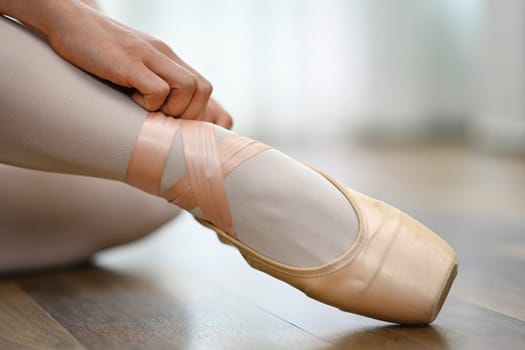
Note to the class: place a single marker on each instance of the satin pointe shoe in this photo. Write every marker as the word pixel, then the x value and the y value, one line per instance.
pixel 397 269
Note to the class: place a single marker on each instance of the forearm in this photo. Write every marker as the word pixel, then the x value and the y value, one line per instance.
pixel 43 16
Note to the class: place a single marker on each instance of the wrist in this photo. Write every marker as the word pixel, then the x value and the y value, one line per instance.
pixel 40 16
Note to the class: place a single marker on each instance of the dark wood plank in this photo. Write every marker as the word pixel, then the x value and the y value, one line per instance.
pixel 25 325
pixel 104 309
pixel 491 276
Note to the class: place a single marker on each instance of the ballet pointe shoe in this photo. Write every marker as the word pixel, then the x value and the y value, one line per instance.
pixel 397 269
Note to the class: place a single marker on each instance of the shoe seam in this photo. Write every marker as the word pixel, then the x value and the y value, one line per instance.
pixel 355 249
pixel 387 250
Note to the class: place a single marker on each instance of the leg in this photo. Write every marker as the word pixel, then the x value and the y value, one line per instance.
pixel 288 220
pixel 36 233
pixel 57 118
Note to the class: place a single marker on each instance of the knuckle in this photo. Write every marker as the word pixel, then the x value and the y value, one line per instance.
pixel 161 45
pixel 163 89
pixel 228 123
pixel 156 42
pixel 190 83
pixel 132 45
pixel 206 87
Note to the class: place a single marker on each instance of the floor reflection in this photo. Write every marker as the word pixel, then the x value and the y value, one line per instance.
pixel 394 337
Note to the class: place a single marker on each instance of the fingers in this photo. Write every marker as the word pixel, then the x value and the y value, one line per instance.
pixel 203 90
pixel 225 121
pixel 164 82
pixel 151 89
pixel 218 115
pixel 189 93
pixel 197 107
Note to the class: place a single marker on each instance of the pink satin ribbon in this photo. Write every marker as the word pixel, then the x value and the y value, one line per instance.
pixel 205 173
pixel 207 164
pixel 149 157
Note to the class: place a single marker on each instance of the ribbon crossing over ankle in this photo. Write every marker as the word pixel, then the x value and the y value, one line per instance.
pixel 207 164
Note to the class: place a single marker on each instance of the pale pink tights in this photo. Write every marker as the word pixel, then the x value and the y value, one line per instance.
pixel 56 118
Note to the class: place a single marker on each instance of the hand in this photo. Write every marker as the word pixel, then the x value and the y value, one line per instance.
pixel 95 43
pixel 214 113
pixel 112 51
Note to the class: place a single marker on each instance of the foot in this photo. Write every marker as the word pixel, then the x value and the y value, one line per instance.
pixel 298 224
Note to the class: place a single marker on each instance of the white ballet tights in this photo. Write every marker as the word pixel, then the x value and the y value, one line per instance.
pixel 57 118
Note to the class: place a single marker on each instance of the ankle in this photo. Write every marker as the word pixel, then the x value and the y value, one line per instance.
pixel 176 165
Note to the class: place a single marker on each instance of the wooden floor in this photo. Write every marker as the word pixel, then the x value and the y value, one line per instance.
pixel 182 289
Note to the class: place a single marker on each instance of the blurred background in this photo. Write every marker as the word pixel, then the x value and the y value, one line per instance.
pixel 379 71
pixel 419 103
